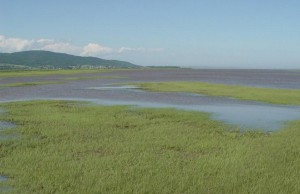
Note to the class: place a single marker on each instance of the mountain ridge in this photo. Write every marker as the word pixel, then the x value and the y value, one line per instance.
pixel 41 59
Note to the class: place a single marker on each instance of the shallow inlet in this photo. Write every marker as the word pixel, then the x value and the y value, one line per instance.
pixel 2 178
pixel 6 125
pixel 258 117
pixel 242 114
pixel 4 189
pixel 263 117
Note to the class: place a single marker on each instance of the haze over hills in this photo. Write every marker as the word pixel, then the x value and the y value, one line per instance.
pixel 39 59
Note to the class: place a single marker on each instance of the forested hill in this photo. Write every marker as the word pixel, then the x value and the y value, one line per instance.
pixel 47 59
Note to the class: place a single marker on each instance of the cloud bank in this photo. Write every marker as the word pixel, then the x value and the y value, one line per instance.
pixel 8 44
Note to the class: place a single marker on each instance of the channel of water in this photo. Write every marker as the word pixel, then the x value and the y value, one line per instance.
pixel 248 115
pixel 5 125
pixel 253 115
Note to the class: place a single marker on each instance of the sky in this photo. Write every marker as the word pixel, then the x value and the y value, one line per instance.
pixel 202 33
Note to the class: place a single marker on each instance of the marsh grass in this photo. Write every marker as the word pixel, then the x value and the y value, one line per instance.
pixel 69 147
pixel 22 84
pixel 64 80
pixel 26 73
pixel 93 78
pixel 269 95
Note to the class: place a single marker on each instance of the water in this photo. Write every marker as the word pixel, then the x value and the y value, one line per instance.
pixel 244 114
pixel 6 125
pixel 250 116
pixel 3 178
pixel 4 189
pixel 262 117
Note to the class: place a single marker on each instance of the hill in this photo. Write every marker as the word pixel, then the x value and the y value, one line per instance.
pixel 52 60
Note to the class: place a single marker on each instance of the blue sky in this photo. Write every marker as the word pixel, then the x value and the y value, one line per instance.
pixel 207 33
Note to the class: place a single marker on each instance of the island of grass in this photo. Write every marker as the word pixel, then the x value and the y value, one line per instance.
pixel 28 73
pixel 66 76
pixel 22 84
pixel 269 95
pixel 73 147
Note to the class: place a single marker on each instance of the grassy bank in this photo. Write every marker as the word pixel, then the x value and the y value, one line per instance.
pixel 67 147
pixel 63 80
pixel 25 73
pixel 22 84
pixel 93 78
pixel 269 95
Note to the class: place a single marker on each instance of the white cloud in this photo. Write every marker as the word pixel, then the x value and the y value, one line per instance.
pixel 61 47
pixel 13 44
pixel 127 50
pixel 45 41
pixel 91 49
pixel 2 37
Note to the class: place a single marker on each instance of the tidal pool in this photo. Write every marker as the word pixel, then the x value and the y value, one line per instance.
pixel 4 189
pixel 6 125
pixel 3 178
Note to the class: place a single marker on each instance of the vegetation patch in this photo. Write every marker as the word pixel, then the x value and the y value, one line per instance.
pixel 269 95
pixel 93 78
pixel 28 73
pixel 67 147
pixel 21 84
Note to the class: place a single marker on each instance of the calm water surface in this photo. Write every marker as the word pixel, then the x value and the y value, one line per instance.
pixel 245 114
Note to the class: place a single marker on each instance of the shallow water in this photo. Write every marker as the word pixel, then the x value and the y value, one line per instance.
pixel 3 178
pixel 245 114
pixel 250 116
pixel 6 125
pixel 4 189
pixel 263 117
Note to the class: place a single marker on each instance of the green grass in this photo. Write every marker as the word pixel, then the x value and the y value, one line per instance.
pixel 67 79
pixel 70 147
pixel 93 78
pixel 21 84
pixel 269 95
pixel 25 73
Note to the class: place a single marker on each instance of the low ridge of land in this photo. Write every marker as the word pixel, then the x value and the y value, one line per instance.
pixel 39 59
